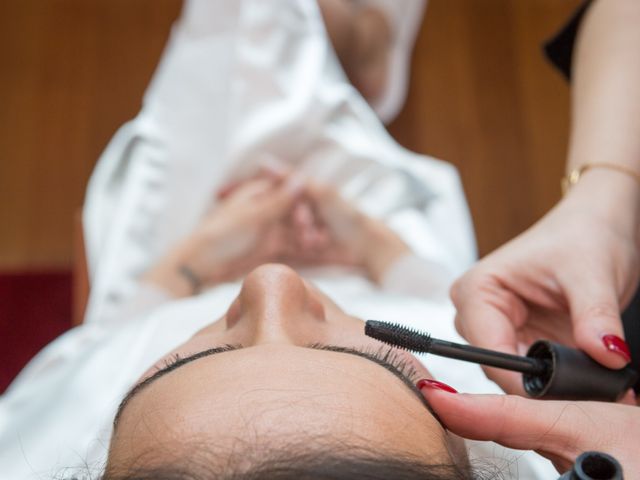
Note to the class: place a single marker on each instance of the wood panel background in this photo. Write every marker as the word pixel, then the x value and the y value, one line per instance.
pixel 72 71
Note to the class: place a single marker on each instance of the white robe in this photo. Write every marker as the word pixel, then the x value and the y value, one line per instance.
pixel 239 81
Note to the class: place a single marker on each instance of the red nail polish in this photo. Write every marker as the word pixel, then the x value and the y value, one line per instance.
pixel 428 383
pixel 615 344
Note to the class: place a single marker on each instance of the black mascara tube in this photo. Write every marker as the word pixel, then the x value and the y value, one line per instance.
pixel 573 375
pixel 550 370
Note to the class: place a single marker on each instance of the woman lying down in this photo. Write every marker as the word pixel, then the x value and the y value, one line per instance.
pixel 224 334
pixel 284 384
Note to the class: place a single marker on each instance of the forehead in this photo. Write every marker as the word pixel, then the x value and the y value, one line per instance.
pixel 280 392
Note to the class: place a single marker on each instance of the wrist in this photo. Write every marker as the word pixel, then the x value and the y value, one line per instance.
pixel 170 277
pixel 176 272
pixel 611 196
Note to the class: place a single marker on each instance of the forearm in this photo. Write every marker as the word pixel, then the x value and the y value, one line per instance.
pixel 606 111
pixel 169 274
pixel 606 86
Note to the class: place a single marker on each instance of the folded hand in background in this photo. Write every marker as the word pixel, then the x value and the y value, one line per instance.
pixel 278 217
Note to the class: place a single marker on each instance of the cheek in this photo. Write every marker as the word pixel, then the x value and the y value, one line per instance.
pixel 217 326
pixel 231 317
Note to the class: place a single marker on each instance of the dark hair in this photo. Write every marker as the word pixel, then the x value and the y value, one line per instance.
pixel 308 463
pixel 336 468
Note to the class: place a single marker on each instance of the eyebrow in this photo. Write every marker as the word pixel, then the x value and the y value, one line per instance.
pixel 180 362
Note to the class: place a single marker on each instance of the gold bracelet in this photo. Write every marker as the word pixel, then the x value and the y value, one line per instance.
pixel 574 175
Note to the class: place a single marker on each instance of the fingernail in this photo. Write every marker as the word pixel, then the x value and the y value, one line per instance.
pixel 429 383
pixel 615 344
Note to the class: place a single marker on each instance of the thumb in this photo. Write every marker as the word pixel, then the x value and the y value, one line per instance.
pixel 278 202
pixel 558 430
pixel 481 319
pixel 597 327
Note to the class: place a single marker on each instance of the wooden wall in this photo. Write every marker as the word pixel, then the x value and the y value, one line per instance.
pixel 71 71
pixel 484 98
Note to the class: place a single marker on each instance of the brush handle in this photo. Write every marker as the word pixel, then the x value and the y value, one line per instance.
pixel 414 341
pixel 468 353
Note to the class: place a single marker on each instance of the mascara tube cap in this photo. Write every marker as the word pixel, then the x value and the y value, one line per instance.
pixel 573 375
pixel 594 466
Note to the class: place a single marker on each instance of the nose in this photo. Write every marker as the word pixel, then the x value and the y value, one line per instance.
pixel 275 305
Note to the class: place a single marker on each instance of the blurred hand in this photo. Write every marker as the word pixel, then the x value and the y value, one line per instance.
pixel 565 279
pixel 244 229
pixel 323 228
pixel 276 216
pixel 557 430
pixel 304 238
pixel 349 235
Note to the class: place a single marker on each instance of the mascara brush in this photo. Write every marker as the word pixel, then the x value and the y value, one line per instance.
pixel 550 370
pixel 413 341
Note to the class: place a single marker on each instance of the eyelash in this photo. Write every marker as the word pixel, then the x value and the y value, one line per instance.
pixel 386 355
pixel 175 358
pixel 170 362
pixel 393 358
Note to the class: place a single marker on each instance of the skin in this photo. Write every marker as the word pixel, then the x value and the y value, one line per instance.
pixel 568 276
pixel 275 388
pixel 362 38
pixel 557 430
pixel 258 221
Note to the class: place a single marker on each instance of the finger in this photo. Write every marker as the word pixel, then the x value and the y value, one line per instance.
pixel 234 186
pixel 510 382
pixel 273 167
pixel 487 315
pixel 595 314
pixel 265 176
pixel 324 198
pixel 556 429
pixel 629 398
pixel 227 189
pixel 250 189
pixel 272 246
pixel 276 203
pixel 302 215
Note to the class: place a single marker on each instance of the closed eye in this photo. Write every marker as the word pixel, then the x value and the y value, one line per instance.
pixel 386 357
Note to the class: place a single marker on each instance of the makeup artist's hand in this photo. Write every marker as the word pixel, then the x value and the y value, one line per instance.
pixel 565 279
pixel 557 430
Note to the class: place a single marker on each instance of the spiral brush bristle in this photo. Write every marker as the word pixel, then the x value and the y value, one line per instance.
pixel 398 336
